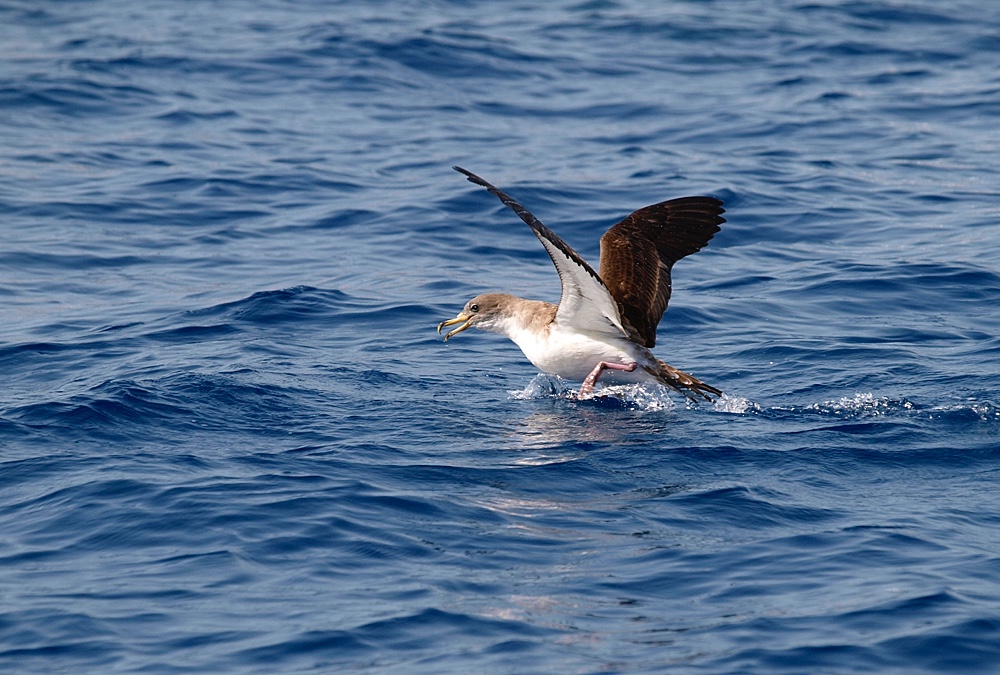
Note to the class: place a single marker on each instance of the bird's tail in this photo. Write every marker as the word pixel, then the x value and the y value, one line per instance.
pixel 682 382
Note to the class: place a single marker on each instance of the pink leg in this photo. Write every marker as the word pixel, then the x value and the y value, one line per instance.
pixel 588 385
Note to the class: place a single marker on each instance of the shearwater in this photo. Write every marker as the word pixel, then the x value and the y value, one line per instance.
pixel 604 321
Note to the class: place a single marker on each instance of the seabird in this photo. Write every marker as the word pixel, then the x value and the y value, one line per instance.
pixel 604 321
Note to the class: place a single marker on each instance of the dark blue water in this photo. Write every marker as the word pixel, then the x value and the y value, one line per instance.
pixel 231 440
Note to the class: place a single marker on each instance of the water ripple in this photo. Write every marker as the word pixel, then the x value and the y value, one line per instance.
pixel 232 440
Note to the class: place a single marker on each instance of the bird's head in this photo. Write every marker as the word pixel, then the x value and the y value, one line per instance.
pixel 485 312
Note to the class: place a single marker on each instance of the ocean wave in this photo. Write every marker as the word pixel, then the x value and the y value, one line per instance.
pixel 231 439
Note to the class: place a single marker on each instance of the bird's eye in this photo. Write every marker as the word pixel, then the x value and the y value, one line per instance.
pixel 474 308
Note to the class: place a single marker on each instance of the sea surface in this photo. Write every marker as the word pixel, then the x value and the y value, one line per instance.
pixel 231 440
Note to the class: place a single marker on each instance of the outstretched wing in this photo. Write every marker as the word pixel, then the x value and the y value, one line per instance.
pixel 638 253
pixel 585 304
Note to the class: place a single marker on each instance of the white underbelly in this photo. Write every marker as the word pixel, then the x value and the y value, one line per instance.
pixel 573 355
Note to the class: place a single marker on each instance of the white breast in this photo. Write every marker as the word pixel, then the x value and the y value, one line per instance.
pixel 573 355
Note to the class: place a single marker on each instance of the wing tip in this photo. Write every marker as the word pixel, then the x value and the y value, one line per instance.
pixel 713 207
pixel 471 177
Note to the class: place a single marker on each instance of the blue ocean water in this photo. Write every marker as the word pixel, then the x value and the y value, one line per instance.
pixel 231 440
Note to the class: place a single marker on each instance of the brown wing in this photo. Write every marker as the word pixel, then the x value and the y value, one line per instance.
pixel 638 252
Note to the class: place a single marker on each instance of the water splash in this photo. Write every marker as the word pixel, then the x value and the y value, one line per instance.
pixel 861 405
pixel 541 386
pixel 988 412
pixel 867 405
pixel 631 396
pixel 635 397
pixel 734 404
pixel 985 411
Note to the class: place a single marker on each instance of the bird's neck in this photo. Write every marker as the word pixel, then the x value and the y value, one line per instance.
pixel 525 318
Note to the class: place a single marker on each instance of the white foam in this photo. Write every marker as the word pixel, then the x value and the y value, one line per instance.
pixel 734 404
pixel 863 404
pixel 651 397
pixel 638 396
pixel 987 411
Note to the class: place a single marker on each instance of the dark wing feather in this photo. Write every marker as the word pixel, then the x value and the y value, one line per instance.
pixel 528 217
pixel 585 303
pixel 638 253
